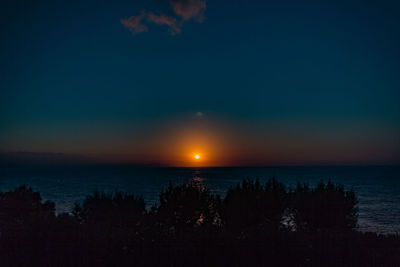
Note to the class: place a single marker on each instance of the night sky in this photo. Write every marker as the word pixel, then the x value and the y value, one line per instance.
pixel 238 82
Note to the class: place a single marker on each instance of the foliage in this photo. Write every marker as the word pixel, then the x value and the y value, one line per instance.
pixel 251 204
pixel 23 209
pixel 118 209
pixel 193 227
pixel 327 206
pixel 187 206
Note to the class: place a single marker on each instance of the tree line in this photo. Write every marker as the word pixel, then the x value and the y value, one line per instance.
pixel 253 223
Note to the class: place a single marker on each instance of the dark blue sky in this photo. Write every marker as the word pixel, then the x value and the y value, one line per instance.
pixel 300 74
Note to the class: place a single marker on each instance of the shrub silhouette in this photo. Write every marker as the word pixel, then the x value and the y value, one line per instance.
pixel 251 205
pixel 26 225
pixel 23 209
pixel 187 228
pixel 110 210
pixel 325 207
pixel 187 207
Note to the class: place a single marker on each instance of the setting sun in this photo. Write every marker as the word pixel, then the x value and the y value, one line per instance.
pixel 197 157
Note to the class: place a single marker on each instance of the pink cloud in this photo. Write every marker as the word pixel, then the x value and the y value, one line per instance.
pixel 184 10
pixel 172 23
pixel 134 23
pixel 188 9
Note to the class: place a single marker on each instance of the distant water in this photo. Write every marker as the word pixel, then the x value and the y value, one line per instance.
pixel 377 187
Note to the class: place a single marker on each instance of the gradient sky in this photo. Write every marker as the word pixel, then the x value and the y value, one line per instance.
pixel 250 82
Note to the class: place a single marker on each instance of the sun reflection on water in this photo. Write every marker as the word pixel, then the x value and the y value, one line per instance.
pixel 197 179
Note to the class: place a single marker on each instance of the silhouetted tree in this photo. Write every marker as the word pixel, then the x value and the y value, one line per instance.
pixel 115 229
pixel 276 201
pixel 26 225
pixel 117 210
pixel 23 209
pixel 325 207
pixel 251 205
pixel 186 207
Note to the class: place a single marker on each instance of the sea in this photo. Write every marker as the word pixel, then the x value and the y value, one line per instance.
pixel 377 187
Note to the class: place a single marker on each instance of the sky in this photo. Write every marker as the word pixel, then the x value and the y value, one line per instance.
pixel 250 82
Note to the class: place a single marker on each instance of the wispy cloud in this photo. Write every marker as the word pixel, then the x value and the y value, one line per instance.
pixel 134 23
pixel 188 9
pixel 172 23
pixel 183 10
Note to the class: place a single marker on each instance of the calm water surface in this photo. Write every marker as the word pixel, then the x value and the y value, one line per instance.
pixel 377 187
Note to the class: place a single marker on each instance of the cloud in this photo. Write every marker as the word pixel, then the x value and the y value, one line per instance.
pixel 188 9
pixel 184 10
pixel 134 23
pixel 172 23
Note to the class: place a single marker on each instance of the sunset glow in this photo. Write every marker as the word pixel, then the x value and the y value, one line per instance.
pixel 268 101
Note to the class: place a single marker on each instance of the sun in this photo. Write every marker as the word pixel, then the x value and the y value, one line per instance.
pixel 196 156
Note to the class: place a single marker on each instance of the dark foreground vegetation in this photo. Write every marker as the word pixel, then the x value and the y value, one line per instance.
pixel 254 225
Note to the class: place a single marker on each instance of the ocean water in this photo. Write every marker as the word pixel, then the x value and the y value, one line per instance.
pixel 377 187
